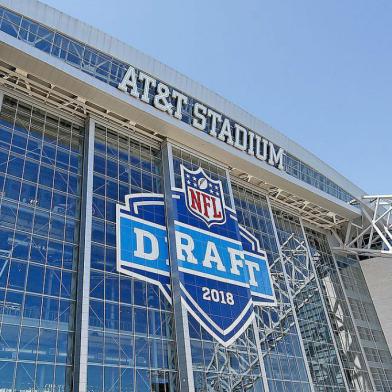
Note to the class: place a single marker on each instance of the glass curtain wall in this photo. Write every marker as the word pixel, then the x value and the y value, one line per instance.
pixel 40 167
pixel 131 346
pixel 347 340
pixel 313 323
pixel 280 341
pixel 365 318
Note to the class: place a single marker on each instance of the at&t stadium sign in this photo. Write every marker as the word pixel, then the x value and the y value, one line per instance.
pixel 224 273
pixel 141 86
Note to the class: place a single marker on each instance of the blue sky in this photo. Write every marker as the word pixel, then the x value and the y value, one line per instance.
pixel 319 71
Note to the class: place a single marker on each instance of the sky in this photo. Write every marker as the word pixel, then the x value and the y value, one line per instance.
pixel 318 71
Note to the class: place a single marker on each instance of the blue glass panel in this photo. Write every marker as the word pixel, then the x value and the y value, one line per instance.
pixel 19 143
pixel 32 310
pixel 41 223
pixel 96 314
pixel 112 379
pixel 97 257
pixel 68 256
pixel 28 343
pixel 98 207
pixel 153 296
pixel 111 168
pixel 95 378
pixel 5 141
pixel 99 185
pixel 62 159
pixel 57 227
pixel 97 285
pixel 98 231
pixel 66 315
pixel 73 185
pixel 95 347
pixel 30 171
pixel 63 378
pixel 110 260
pixel 50 310
pixel 44 198
pixel 17 275
pixel 154 321
pixel 8 341
pixel 15 166
pixel 59 202
pixel 12 188
pixel 140 316
pixel 111 316
pixel 25 218
pixel 71 230
pixel 52 282
pixel 21 246
pixel 44 377
pixel 46 176
pixel 127 380
pixel 112 288
pixel 63 347
pixel 112 353
pixel 142 380
pixel 60 180
pixel 4 268
pixel 112 190
pixel 25 375
pixel 55 253
pixel 111 211
pixel 7 375
pixel 38 250
pixel 27 193
pixel 99 164
pixel 13 307
pixel 66 284
pixel 126 318
pixel 125 290
pixel 156 353
pixel 139 293
pixel 126 350
pixel 47 345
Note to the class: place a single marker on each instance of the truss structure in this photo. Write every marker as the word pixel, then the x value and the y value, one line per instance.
pixel 58 98
pixel 310 212
pixel 371 236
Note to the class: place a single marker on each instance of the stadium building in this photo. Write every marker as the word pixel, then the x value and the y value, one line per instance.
pixel 156 237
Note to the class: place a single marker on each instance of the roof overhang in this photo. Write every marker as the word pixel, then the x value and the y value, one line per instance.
pixel 65 87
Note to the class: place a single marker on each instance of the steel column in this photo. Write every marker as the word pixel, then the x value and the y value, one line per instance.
pixel 184 356
pixel 83 281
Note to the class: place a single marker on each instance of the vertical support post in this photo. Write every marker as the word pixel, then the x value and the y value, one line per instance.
pixel 351 315
pixel 324 306
pixel 83 280
pixel 184 357
pixel 290 297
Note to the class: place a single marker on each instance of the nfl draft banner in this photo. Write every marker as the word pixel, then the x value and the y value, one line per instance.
pixel 223 271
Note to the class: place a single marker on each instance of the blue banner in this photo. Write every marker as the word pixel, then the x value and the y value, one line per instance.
pixel 223 271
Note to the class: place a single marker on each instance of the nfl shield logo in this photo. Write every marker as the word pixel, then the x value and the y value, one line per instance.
pixel 204 196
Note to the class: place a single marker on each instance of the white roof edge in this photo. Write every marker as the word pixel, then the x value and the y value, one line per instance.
pixel 96 38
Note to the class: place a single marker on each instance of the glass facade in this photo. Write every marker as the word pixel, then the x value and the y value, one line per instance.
pixel 40 167
pixel 322 335
pixel 111 71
